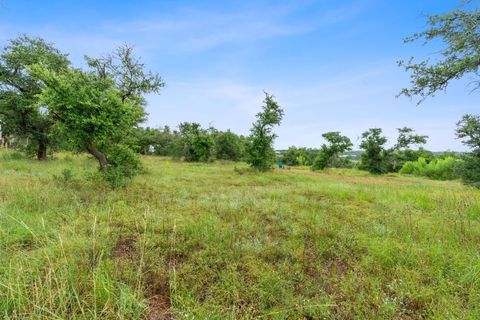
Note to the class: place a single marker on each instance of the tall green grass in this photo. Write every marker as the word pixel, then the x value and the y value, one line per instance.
pixel 203 241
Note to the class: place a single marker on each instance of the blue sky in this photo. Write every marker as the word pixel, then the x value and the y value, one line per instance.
pixel 330 64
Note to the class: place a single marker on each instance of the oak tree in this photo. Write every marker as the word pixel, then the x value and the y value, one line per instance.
pixel 21 112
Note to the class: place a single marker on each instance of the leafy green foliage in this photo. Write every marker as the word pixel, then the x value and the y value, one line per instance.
pixel 439 169
pixel 470 170
pixel 191 142
pixel 21 114
pixel 329 153
pixel 260 152
pixel 374 158
pixel 397 158
pixel 168 143
pixel 197 143
pixel 122 162
pixel 161 141
pixel 407 137
pixel 146 139
pixel 460 33
pixel 294 156
pixel 468 129
pixel 229 146
pixel 99 110
pixel 89 108
pixel 402 152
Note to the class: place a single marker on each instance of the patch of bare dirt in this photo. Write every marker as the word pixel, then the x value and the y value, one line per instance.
pixel 157 295
pixel 125 249
pixel 159 307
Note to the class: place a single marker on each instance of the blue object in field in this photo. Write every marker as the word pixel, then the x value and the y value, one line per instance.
pixel 280 165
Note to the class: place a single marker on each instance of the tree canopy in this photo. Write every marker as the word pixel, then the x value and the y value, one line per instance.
pixel 459 32
pixel 99 109
pixel 197 143
pixel 21 112
pixel 407 137
pixel 260 152
pixel 374 152
pixel 468 129
pixel 328 155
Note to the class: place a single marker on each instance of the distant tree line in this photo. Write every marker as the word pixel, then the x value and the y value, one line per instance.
pixel 193 143
pixel 407 156
pixel 46 104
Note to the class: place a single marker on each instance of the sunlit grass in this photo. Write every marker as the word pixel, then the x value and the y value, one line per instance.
pixel 208 241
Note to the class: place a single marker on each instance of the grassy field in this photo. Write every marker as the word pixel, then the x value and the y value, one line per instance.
pixel 212 241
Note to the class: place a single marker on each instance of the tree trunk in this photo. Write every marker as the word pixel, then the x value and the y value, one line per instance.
pixel 102 160
pixel 42 151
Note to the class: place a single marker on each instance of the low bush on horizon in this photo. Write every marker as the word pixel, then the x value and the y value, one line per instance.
pixel 438 169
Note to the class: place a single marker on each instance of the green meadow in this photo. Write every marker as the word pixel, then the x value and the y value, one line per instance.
pixel 219 241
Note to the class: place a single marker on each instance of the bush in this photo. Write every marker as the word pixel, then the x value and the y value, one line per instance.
pixel 294 156
pixel 321 160
pixel 229 146
pixel 197 142
pixel 438 169
pixel 123 164
pixel 329 155
pixel 324 160
pixel 398 158
pixel 470 169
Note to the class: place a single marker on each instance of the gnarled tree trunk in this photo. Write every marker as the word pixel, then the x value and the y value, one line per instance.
pixel 42 151
pixel 102 160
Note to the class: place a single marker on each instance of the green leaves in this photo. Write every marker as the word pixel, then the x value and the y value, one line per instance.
pixel 328 155
pixel 374 155
pixel 460 33
pixel 99 110
pixel 407 137
pixel 468 129
pixel 21 112
pixel 89 108
pixel 197 143
pixel 260 153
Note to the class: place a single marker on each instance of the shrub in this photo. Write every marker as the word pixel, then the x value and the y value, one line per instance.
pixel 470 169
pixel 229 146
pixel 123 164
pixel 294 156
pixel 197 142
pixel 438 169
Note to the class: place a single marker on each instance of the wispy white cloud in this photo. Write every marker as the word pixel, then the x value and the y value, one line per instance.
pixel 208 60
pixel 195 30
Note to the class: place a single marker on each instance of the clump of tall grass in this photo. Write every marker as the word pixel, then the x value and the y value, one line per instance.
pixel 439 169
pixel 12 155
